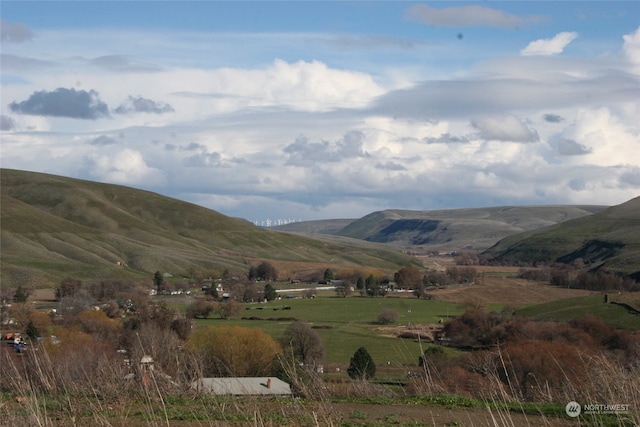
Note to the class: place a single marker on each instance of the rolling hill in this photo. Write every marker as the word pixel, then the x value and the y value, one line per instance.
pixel 607 240
pixel 455 229
pixel 54 227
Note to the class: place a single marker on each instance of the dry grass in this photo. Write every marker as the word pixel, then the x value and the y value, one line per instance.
pixel 507 290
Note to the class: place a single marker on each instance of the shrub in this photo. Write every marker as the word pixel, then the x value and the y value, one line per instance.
pixel 361 366
pixel 234 351
pixel 387 317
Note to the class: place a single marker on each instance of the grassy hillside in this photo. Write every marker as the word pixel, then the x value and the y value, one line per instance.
pixel 323 226
pixel 609 239
pixel 451 229
pixel 567 309
pixel 54 227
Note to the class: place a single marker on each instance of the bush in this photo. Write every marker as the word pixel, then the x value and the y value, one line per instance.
pixel 387 317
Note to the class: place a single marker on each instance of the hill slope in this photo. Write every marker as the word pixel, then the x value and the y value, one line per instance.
pixel 54 227
pixel 609 239
pixel 453 229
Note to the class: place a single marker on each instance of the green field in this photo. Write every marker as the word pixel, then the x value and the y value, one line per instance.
pixel 345 324
pixel 571 308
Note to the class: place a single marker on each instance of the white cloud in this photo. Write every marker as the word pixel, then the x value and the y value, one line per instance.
pixel 631 49
pixel 125 167
pixel 550 46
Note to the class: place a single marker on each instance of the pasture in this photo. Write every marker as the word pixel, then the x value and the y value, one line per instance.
pixel 345 324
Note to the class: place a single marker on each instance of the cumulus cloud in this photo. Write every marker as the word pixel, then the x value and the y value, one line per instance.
pixel 7 123
pixel 467 16
pixel 631 48
pixel 12 32
pixel 303 152
pixel 506 128
pixel 569 147
pixel 550 46
pixel 143 105
pixel 62 102
pixel 125 167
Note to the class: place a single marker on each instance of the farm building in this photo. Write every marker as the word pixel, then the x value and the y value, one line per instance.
pixel 243 386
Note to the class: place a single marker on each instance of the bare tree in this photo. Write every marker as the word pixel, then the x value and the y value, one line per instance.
pixel 305 344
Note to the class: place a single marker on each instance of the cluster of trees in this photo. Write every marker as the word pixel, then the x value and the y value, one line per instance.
pixel 572 277
pixel 264 271
pixel 410 277
pixel 530 360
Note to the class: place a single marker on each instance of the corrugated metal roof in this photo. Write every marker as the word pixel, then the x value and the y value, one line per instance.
pixel 243 386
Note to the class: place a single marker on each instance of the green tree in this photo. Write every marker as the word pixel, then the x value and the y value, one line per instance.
pixel 361 366
pixel 270 292
pixel 21 295
pixel 328 275
pixel 158 281
pixel 32 331
pixel 369 282
pixel 360 283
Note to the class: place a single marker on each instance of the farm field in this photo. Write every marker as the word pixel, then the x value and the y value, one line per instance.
pixel 345 324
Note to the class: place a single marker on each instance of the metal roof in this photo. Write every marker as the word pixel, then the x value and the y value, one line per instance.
pixel 243 386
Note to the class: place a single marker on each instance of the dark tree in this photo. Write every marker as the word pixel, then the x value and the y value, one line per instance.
pixel 360 283
pixel 270 292
pixel 212 291
pixel 32 332
pixel 158 281
pixel 264 271
pixel 370 282
pixel 21 295
pixel 361 366
pixel 328 275
pixel 68 288
pixel 305 344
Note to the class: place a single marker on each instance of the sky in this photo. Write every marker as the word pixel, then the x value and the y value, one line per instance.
pixel 288 111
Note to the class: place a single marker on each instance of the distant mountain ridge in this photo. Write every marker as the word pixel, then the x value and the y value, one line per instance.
pixel 448 229
pixel 54 227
